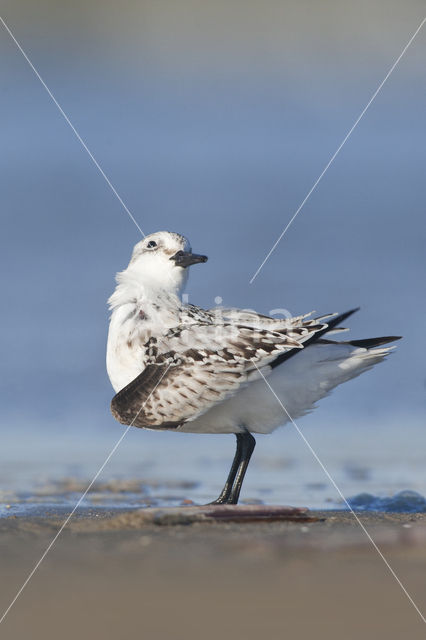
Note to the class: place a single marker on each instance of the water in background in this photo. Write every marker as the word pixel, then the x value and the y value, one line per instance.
pixel 152 468
pixel 216 127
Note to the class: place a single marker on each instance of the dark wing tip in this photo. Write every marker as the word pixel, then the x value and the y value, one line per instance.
pixel 369 343
pixel 333 322
pixel 328 326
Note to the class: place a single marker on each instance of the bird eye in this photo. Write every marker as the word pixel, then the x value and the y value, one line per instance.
pixel 151 244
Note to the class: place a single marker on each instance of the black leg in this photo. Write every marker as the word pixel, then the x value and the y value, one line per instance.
pixel 231 491
pixel 248 445
pixel 226 491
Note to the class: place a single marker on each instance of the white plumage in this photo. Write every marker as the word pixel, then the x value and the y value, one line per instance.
pixel 180 367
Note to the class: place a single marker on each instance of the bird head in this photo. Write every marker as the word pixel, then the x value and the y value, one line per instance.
pixel 160 262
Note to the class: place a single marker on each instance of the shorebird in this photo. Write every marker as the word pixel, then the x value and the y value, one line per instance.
pixel 179 367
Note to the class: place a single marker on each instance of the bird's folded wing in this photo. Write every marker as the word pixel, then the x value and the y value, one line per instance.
pixel 251 318
pixel 191 368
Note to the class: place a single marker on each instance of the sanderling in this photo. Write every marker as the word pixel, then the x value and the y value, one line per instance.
pixel 180 367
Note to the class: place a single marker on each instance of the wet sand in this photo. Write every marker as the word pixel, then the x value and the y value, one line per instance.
pixel 125 575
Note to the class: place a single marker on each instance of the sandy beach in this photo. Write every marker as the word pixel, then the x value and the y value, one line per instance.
pixel 125 575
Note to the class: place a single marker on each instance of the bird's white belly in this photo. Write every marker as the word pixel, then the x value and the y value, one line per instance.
pixel 253 408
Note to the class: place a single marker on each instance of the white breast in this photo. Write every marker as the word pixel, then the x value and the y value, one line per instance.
pixel 131 326
pixel 125 357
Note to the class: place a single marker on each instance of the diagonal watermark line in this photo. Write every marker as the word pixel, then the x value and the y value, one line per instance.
pixel 333 482
pixel 79 501
pixel 333 157
pixel 74 130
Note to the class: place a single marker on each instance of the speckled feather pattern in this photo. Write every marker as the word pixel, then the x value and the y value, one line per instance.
pixel 181 367
pixel 209 359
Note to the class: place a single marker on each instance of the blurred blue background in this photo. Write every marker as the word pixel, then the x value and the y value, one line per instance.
pixel 214 120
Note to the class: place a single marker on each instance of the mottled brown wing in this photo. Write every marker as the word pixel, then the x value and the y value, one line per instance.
pixel 190 369
pixel 128 405
pixel 167 395
pixel 224 342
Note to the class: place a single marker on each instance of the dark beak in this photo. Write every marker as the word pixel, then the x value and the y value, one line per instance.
pixel 185 258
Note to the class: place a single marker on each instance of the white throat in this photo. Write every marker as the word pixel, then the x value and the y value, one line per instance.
pixel 132 286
